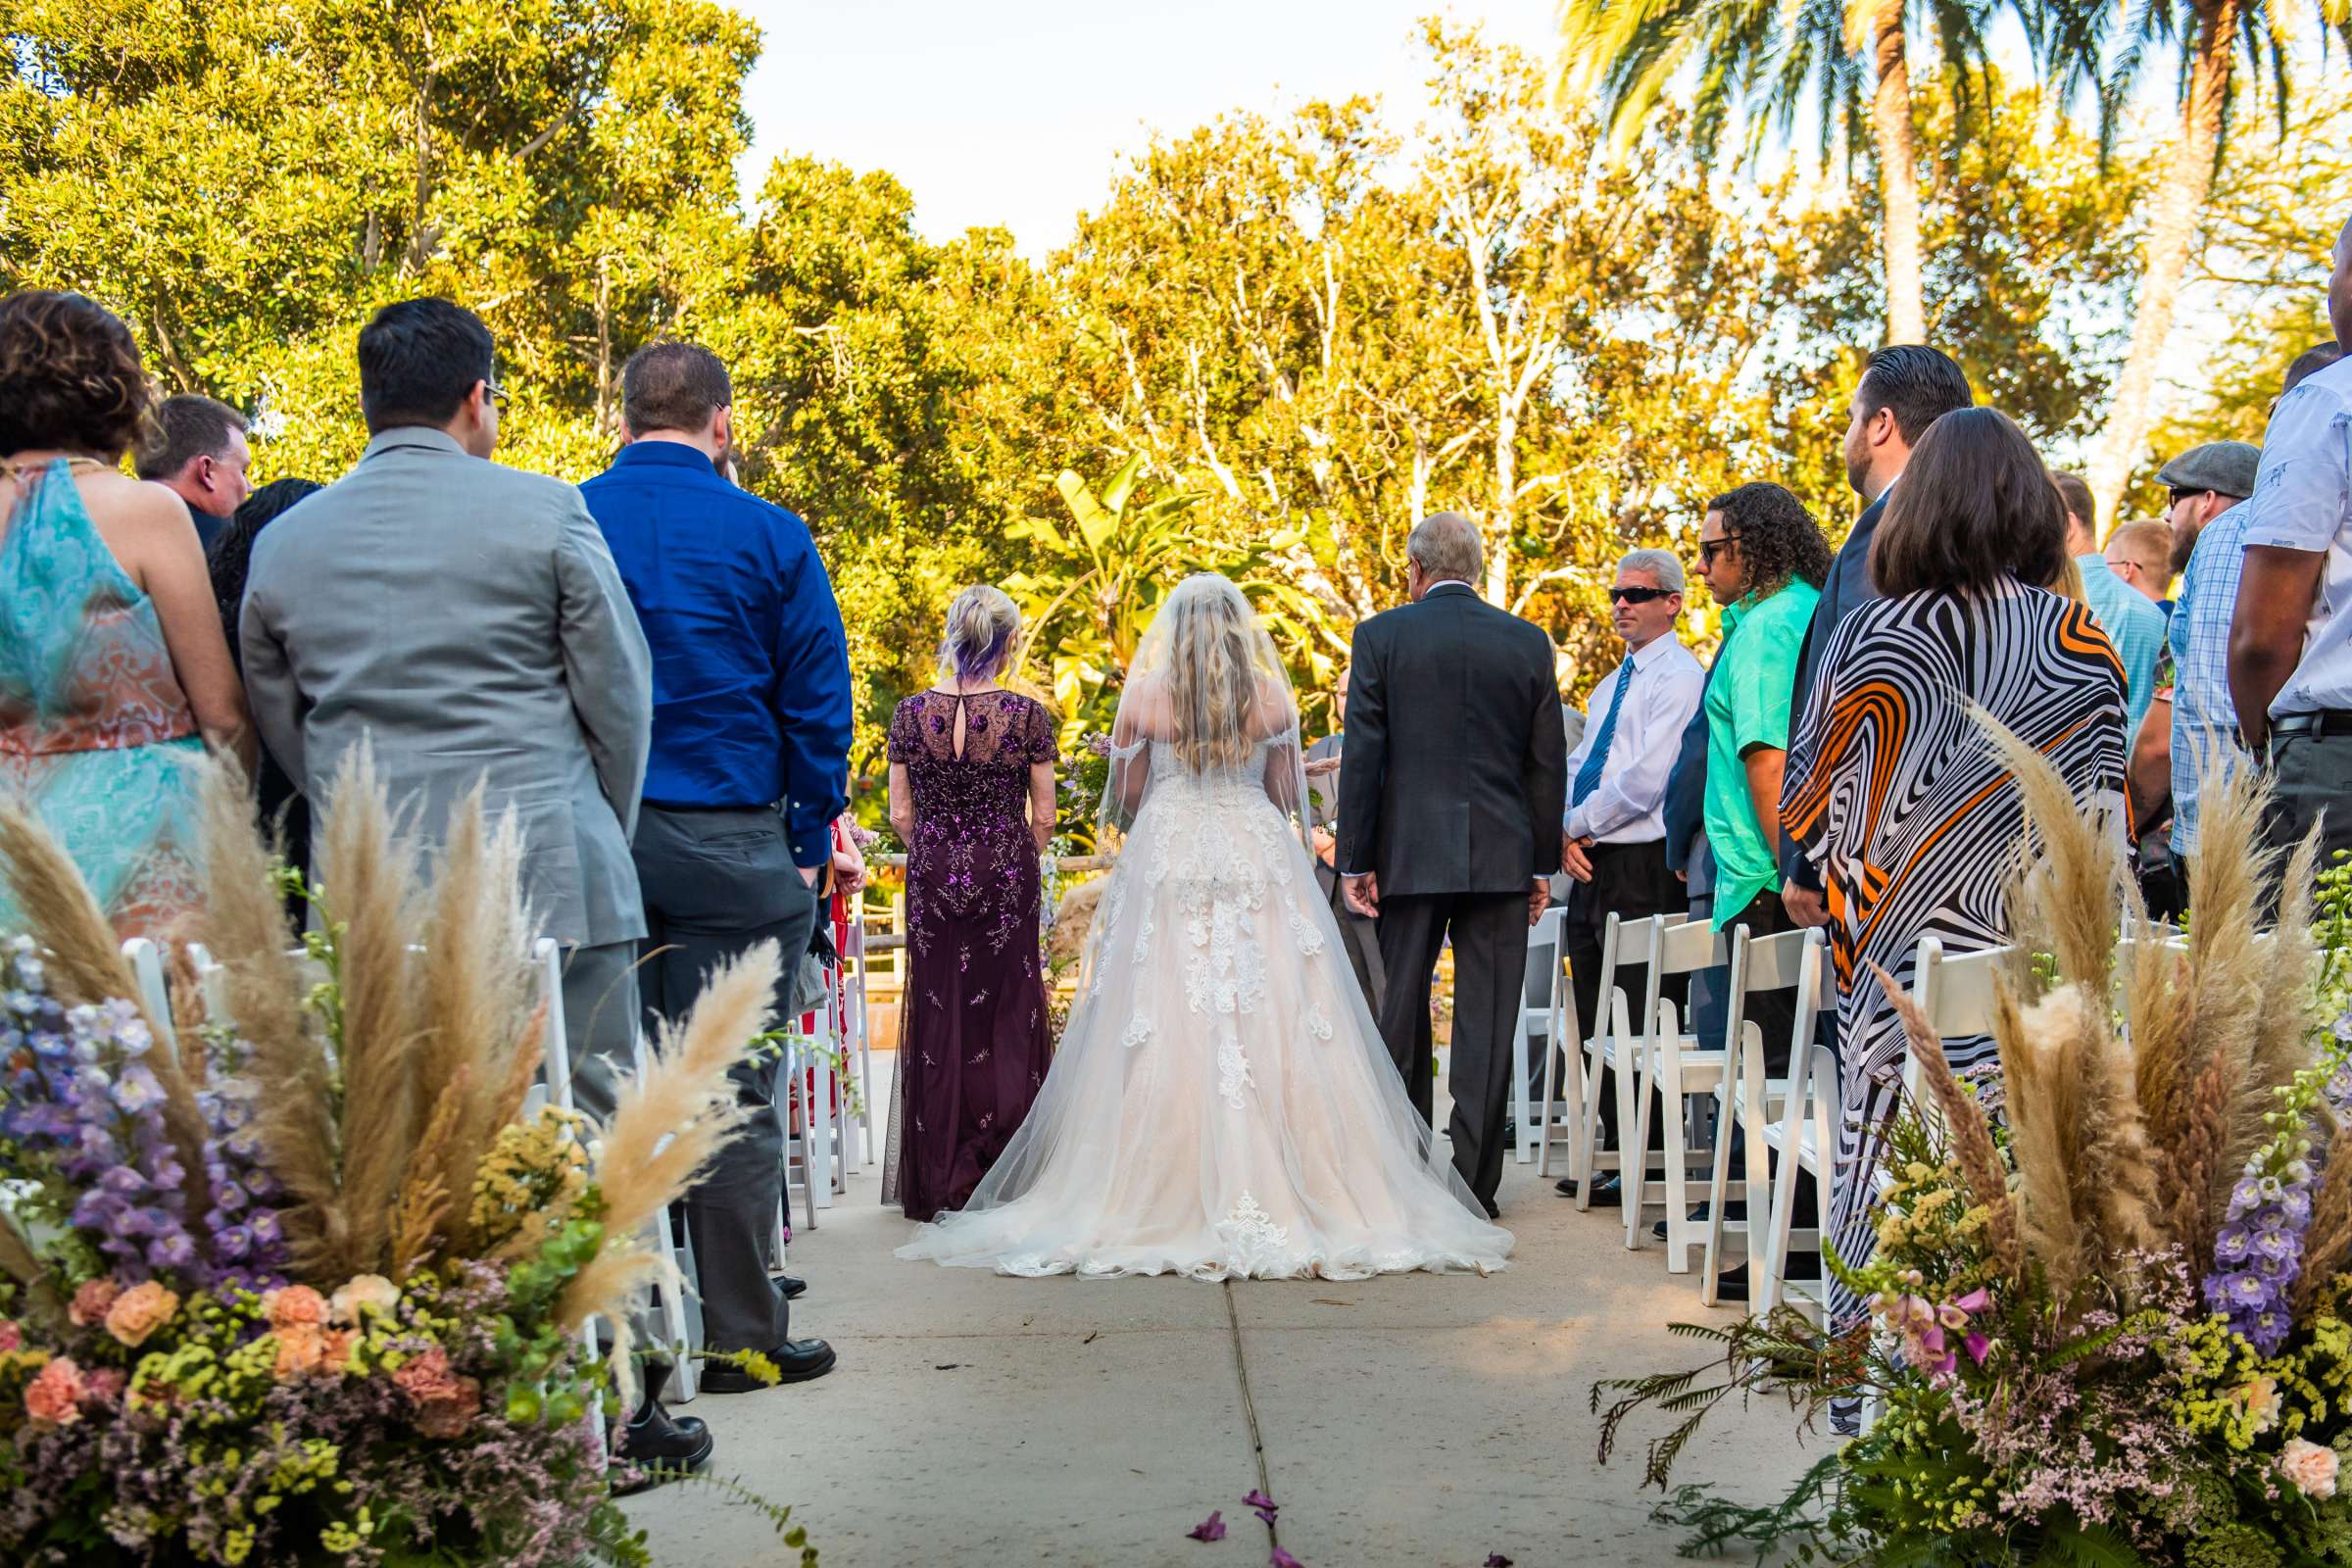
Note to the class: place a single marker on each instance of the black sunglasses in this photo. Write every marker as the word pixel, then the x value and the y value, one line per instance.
pixel 1707 549
pixel 2182 492
pixel 498 394
pixel 1638 596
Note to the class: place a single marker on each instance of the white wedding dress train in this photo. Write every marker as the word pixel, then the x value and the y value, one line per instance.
pixel 1221 1104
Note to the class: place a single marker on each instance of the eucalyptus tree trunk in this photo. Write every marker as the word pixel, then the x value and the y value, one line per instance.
pixel 2179 210
pixel 1899 174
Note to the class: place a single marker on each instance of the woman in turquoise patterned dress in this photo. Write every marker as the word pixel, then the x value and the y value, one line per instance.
pixel 114 672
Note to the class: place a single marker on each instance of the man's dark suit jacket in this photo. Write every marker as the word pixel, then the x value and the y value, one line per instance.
pixel 1685 804
pixel 1455 774
pixel 1847 589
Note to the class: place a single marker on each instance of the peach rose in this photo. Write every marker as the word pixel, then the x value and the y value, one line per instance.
pixel 446 1402
pixel 2310 1467
pixel 368 1292
pixel 55 1395
pixel 338 1348
pixel 93 1302
pixel 447 1416
pixel 294 1305
pixel 139 1311
pixel 300 1347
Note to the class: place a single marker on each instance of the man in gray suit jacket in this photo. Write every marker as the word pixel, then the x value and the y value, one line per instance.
pixel 466 621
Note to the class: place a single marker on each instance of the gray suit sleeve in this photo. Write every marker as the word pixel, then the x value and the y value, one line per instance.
pixel 269 679
pixel 606 663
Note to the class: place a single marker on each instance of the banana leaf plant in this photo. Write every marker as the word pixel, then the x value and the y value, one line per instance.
pixel 1101 575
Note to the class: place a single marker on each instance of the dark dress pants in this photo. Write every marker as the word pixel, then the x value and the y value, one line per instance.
pixel 1631 882
pixel 1490 968
pixel 2311 781
pixel 715 883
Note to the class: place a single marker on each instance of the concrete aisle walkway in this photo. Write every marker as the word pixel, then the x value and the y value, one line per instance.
pixel 1414 1419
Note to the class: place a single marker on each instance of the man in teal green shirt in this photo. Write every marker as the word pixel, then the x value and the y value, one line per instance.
pixel 1763 556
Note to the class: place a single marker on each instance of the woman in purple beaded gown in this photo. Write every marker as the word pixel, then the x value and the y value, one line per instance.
pixel 971 794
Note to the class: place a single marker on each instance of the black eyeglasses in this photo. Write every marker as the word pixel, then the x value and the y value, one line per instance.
pixel 1707 549
pixel 1638 596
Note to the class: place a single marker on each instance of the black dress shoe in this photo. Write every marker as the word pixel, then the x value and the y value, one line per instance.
pixel 1735 1212
pixel 1565 1187
pixel 1606 1193
pixel 798 1360
pixel 658 1446
pixel 793 1289
pixel 1493 1212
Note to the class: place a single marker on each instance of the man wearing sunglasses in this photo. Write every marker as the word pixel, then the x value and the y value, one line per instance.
pixel 1614 851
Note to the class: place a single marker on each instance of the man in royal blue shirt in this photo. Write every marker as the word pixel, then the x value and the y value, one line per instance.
pixel 752 718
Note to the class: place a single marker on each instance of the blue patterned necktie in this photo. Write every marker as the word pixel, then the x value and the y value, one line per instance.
pixel 1588 777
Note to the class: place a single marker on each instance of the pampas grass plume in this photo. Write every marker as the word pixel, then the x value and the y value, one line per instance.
pixel 86 965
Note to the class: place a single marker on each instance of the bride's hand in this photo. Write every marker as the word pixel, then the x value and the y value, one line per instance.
pixel 1323 768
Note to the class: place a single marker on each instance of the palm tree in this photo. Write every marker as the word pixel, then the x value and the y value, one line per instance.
pixel 1848 58
pixel 2206 39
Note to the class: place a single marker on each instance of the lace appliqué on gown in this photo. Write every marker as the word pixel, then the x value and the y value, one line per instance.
pixel 1259 1246
pixel 1221 1106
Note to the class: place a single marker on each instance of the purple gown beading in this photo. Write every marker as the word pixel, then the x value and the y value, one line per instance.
pixel 974 1040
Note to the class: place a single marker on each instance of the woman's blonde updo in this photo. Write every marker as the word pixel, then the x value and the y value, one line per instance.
pixel 982 625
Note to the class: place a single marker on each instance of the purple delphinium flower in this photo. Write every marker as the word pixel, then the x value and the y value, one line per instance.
pixel 2258 1255
pixel 80 1101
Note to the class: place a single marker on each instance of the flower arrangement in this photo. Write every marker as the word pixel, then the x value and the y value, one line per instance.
pixel 2110 1322
pixel 311 1288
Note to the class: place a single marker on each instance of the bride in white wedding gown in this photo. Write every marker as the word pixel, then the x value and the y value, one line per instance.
pixel 1221 1104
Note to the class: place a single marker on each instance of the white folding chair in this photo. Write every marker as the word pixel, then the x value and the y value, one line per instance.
pixel 1563 1102
pixel 212 983
pixel 146 958
pixel 860 1031
pixel 1957 996
pixel 1611 1053
pixel 1537 1019
pixel 1674 1065
pixel 1752 1101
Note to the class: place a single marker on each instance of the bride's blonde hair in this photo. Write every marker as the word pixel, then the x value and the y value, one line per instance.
pixel 1213 682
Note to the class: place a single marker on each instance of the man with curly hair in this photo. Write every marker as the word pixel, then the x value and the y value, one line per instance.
pixel 1764 558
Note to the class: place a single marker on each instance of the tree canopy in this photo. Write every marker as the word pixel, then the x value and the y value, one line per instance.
pixel 1275 344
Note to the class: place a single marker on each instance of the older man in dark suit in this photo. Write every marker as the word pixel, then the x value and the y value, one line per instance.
pixel 1453 791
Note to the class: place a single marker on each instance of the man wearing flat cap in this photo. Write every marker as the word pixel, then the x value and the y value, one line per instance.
pixel 2209 485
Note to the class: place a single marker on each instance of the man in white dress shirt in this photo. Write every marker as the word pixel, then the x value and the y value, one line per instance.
pixel 1615 847
pixel 2290 640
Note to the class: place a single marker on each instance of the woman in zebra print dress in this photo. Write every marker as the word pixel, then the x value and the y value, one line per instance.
pixel 1898 794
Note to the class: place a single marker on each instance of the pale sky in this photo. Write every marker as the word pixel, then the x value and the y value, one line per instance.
pixel 1017 114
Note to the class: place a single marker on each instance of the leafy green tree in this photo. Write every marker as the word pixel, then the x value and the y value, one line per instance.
pixel 2204 42
pixel 1849 61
